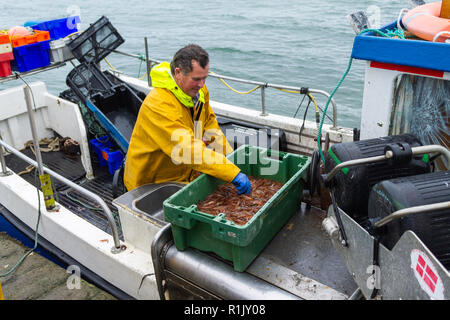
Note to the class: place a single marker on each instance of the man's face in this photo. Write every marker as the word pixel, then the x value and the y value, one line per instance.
pixel 193 81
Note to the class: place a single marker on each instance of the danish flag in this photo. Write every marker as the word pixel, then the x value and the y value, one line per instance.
pixel 427 275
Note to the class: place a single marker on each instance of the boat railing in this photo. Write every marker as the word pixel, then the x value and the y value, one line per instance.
pixel 259 84
pixel 29 99
pixel 115 234
pixel 17 75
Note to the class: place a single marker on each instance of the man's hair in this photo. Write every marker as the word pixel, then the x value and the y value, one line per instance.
pixel 183 58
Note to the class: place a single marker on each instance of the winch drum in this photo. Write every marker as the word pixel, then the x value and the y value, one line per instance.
pixel 352 185
pixel 432 227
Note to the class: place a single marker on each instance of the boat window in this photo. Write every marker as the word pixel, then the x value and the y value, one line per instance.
pixel 422 107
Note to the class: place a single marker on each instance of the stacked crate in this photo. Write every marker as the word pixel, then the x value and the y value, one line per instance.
pixel 31 51
pixel 6 55
pixel 44 45
pixel 60 33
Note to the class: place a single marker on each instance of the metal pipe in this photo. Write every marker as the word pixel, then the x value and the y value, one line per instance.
pixel 135 56
pixel 415 151
pixel 89 194
pixel 351 163
pixel 412 210
pixel 278 86
pixel 37 149
pixel 148 63
pixel 263 101
pixel 5 171
pixel 45 185
pixel 2 160
pixel 432 148
pixel 219 278
pixel 17 75
pixel 356 295
pixel 321 92
pixel 333 104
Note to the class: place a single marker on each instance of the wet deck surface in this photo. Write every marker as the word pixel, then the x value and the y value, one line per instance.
pixel 37 278
pixel 309 251
pixel 72 169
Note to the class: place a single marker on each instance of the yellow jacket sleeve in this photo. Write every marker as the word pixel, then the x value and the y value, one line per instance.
pixel 167 127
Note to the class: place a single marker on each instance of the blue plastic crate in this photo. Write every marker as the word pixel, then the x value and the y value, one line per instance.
pixel 59 28
pixel 99 144
pixel 406 52
pixel 114 159
pixel 104 148
pixel 32 56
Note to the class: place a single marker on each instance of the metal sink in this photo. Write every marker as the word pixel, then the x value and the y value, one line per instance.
pixel 147 200
pixel 151 202
pixel 141 212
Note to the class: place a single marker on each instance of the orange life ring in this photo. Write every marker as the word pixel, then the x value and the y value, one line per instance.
pixel 424 22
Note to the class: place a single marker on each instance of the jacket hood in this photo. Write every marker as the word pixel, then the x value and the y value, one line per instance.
pixel 162 78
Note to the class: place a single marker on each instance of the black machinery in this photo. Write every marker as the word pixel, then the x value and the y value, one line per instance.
pixel 390 214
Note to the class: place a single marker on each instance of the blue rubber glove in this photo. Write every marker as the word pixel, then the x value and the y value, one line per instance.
pixel 242 183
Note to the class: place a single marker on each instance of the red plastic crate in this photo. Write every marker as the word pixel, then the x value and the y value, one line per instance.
pixel 5 63
pixel 5 69
pixel 4 38
pixel 6 55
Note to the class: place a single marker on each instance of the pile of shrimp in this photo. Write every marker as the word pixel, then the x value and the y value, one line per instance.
pixel 239 208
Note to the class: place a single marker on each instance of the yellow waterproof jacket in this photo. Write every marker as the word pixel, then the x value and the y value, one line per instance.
pixel 165 146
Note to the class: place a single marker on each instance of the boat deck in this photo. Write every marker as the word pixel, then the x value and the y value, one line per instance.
pixel 299 260
pixel 72 168
pixel 37 278
pixel 309 252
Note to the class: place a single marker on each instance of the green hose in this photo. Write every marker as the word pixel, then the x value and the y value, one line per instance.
pixel 389 34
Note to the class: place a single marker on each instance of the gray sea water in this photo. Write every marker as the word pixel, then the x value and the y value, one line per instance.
pixel 289 42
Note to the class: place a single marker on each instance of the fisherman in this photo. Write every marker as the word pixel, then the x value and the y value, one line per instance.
pixel 176 135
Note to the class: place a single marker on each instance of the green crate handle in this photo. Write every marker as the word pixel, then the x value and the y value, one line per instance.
pixel 267 153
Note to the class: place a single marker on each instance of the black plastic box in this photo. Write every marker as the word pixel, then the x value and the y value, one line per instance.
pixel 88 82
pixel 239 133
pixel 96 42
pixel 114 104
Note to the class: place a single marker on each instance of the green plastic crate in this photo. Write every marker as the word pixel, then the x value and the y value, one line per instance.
pixel 238 243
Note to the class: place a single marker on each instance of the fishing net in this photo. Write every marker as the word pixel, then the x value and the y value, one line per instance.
pixel 421 107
